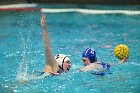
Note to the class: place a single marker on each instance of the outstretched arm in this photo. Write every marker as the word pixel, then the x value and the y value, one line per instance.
pixel 50 60
pixel 120 62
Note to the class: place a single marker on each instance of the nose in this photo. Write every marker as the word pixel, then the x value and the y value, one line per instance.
pixel 69 65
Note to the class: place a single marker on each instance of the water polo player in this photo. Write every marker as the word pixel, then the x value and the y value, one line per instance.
pixel 54 65
pixel 91 63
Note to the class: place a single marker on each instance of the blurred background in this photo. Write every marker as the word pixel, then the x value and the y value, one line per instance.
pixel 73 26
pixel 73 1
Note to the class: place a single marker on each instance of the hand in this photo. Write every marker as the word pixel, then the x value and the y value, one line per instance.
pixel 124 60
pixel 43 21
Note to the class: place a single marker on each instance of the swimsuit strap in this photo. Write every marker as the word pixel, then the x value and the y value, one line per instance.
pixel 106 66
pixel 42 73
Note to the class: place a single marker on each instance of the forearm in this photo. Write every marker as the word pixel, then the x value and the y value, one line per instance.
pixel 46 38
pixel 115 63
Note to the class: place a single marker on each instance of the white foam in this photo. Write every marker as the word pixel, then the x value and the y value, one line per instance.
pixel 91 11
pixel 134 63
pixel 18 5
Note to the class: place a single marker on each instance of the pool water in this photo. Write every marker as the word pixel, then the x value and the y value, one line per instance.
pixel 22 50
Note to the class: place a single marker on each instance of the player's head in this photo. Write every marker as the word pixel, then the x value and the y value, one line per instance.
pixel 89 56
pixel 63 62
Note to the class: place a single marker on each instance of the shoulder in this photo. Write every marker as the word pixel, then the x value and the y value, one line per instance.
pixel 105 65
pixel 92 66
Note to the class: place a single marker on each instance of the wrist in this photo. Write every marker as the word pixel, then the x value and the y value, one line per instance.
pixel 44 27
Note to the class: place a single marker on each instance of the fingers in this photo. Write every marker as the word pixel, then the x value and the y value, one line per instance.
pixel 124 60
pixel 43 20
pixel 127 56
pixel 43 16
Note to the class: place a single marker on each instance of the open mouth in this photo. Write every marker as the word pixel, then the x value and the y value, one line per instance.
pixel 68 68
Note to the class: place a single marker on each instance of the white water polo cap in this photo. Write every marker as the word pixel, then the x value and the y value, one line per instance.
pixel 61 58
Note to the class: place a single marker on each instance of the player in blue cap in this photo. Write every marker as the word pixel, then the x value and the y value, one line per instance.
pixel 91 63
pixel 89 54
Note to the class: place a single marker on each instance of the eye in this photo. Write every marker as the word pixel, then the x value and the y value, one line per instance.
pixel 68 62
pixel 84 60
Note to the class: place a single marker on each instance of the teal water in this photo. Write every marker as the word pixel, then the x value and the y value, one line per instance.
pixel 21 51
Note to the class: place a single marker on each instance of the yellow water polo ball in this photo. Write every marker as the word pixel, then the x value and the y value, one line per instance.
pixel 121 51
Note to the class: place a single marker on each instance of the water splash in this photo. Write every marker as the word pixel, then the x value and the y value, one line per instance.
pixel 22 73
pixel 24 69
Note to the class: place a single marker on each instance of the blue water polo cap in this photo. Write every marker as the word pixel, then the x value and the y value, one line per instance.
pixel 90 54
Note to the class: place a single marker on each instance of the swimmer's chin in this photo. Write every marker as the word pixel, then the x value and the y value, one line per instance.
pixel 68 69
pixel 84 64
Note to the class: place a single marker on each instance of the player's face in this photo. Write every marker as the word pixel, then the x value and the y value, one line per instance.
pixel 66 65
pixel 85 61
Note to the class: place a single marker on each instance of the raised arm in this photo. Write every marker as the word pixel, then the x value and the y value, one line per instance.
pixel 50 60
